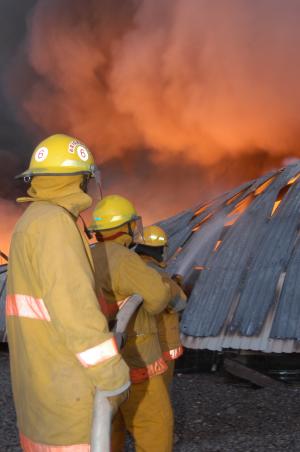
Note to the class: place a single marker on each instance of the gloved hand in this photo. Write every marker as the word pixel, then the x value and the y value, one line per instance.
pixel 117 400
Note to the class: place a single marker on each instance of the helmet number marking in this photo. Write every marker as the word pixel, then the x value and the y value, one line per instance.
pixel 41 154
pixel 82 153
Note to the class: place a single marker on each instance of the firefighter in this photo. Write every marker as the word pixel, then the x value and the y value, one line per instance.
pixel 61 350
pixel 151 250
pixel 147 414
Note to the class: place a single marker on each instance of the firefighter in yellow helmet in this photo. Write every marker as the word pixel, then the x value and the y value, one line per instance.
pixel 151 250
pixel 61 350
pixel 147 414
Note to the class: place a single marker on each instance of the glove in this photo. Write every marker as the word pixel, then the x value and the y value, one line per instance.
pixel 117 400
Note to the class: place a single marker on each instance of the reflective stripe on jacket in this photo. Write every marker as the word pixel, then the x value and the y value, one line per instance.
pixel 32 446
pixel 60 345
pixel 125 275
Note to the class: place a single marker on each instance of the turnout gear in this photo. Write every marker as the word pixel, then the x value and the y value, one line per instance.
pixel 167 321
pixel 61 350
pixel 147 415
pixel 119 273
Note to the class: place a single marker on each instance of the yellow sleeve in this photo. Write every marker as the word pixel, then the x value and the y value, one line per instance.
pixel 67 283
pixel 136 277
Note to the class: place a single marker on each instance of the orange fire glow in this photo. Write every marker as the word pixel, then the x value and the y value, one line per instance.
pixel 152 79
pixel 205 219
pixel 10 213
pixel 239 210
pixel 263 186
pixel 151 75
pixel 245 203
pixel 217 245
pixel 283 192
pixel 201 209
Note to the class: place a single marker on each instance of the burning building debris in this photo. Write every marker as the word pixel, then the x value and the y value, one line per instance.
pixel 239 257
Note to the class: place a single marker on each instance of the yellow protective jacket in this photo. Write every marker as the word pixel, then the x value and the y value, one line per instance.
pixel 59 342
pixel 125 275
pixel 168 320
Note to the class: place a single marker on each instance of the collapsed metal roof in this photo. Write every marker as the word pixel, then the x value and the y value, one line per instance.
pixel 240 256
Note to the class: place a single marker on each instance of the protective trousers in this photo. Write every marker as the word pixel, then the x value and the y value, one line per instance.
pixel 148 416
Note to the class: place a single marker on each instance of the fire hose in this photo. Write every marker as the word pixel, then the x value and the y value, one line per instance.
pixel 103 411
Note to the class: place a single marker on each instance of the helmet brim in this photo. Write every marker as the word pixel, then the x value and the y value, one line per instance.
pixel 95 228
pixel 31 174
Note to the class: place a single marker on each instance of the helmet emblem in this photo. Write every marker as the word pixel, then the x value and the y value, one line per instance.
pixel 41 154
pixel 82 153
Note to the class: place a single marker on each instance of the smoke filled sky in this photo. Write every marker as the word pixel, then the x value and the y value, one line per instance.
pixel 178 99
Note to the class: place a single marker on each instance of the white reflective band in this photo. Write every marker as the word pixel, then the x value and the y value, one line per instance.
pixel 26 306
pixel 99 353
pixel 31 446
pixel 121 303
pixel 173 354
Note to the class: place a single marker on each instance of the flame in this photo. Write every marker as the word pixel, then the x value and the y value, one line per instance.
pixel 205 219
pixel 233 198
pixel 261 188
pixel 239 209
pixel 201 209
pixel 217 245
pixel 275 206
pixel 245 203
pixel 147 85
pixel 283 192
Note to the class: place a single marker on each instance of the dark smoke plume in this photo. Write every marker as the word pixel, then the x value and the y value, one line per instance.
pixel 179 99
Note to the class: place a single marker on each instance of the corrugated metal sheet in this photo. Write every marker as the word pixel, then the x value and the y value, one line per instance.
pixel 243 263
pixel 3 273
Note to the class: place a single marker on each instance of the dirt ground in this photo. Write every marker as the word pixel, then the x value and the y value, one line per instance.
pixel 211 414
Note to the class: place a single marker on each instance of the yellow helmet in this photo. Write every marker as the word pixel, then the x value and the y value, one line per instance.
pixel 60 155
pixel 154 236
pixel 111 212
